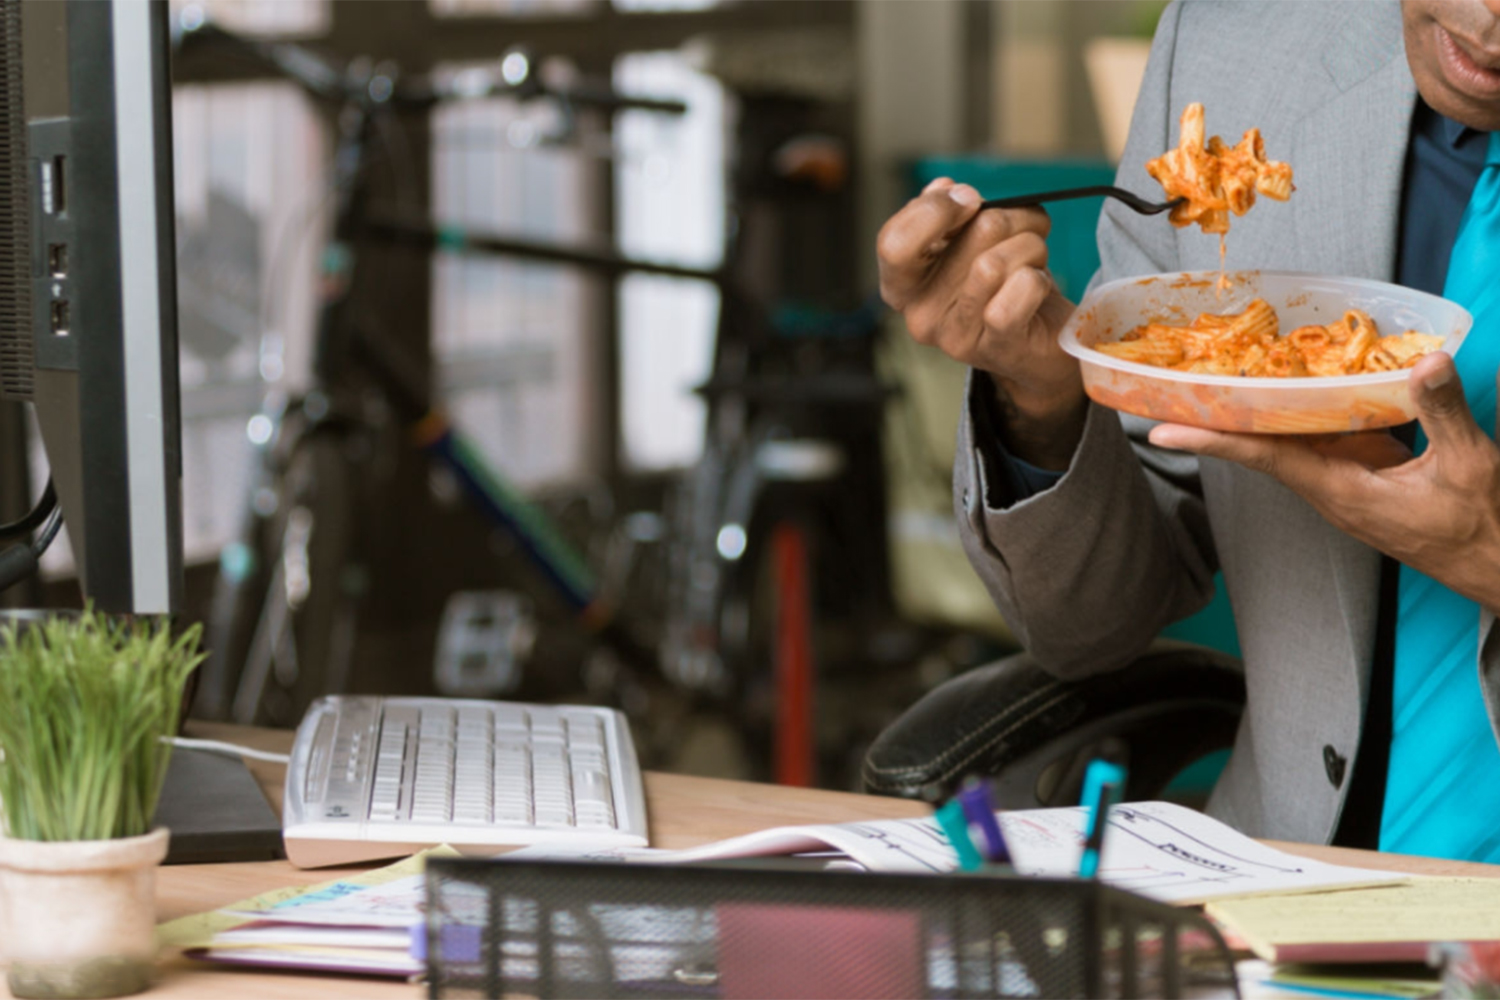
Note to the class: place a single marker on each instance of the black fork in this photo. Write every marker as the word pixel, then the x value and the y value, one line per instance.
pixel 1135 201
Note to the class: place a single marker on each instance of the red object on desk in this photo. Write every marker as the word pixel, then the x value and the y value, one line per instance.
pixel 769 950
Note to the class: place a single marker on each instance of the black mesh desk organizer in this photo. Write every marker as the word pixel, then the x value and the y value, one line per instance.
pixel 565 929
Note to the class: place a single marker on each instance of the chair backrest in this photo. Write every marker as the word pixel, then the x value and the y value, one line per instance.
pixel 1033 735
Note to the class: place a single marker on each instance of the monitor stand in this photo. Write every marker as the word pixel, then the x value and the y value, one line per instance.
pixel 216 811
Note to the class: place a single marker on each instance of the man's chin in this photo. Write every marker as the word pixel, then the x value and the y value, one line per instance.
pixel 1479 115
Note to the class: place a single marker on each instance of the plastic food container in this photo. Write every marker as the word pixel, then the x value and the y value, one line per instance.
pixel 1256 405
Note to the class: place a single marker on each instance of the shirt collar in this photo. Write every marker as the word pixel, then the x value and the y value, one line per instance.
pixel 1444 132
pixel 1454 133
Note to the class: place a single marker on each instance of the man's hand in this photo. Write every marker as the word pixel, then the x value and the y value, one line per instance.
pixel 1438 513
pixel 975 285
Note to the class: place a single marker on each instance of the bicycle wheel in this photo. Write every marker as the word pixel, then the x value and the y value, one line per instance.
pixel 294 618
pixel 241 584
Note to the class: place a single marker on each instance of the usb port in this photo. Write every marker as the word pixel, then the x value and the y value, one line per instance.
pixel 59 185
pixel 57 259
pixel 61 320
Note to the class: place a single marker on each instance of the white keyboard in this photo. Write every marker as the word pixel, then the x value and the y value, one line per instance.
pixel 375 777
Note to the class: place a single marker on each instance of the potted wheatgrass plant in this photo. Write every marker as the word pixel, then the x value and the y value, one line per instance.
pixel 86 704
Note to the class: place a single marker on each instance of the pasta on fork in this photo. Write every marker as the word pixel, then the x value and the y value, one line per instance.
pixel 1216 178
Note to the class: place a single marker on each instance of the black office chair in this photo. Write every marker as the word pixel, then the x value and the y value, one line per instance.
pixel 1033 735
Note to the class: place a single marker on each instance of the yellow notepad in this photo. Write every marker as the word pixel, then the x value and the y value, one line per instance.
pixel 1385 924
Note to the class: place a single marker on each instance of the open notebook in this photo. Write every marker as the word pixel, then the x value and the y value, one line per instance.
pixel 1158 849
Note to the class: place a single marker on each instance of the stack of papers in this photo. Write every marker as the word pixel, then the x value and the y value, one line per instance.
pixel 366 923
pixel 362 924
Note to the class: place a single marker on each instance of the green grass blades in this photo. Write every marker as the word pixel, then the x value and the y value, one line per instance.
pixel 84 704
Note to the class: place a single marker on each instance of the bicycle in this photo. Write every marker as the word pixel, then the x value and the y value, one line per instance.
pixel 288 594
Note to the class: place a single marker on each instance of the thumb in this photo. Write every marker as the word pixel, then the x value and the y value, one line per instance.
pixel 1441 407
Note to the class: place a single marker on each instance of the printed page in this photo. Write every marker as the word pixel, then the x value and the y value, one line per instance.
pixel 1160 850
pixel 892 845
pixel 1172 853
pixel 896 845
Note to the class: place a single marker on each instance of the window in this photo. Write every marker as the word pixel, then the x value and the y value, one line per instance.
pixel 670 184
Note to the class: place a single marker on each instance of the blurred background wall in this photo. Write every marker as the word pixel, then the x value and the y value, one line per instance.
pixel 672 429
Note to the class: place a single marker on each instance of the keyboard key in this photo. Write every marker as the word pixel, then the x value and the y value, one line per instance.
pixel 432 802
pixel 404 716
pixel 594 818
pixel 548 756
pixel 591 785
pixel 511 722
pixel 553 814
pixel 429 812
pixel 474 722
pixel 590 759
pixel 384 801
pixel 473 787
pixel 471 811
pixel 515 812
pixel 586 733
pixel 547 726
pixel 437 724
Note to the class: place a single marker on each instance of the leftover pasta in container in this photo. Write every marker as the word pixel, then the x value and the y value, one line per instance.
pixel 1370 327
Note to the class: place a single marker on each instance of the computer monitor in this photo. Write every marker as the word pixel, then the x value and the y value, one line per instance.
pixel 88 301
pixel 88 334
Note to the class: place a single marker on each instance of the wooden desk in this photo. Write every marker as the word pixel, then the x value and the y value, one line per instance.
pixel 683 811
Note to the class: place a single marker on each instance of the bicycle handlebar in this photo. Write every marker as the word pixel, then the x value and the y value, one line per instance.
pixel 297 63
pixel 321 78
pixel 490 82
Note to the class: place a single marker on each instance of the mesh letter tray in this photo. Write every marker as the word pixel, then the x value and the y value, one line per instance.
pixel 566 929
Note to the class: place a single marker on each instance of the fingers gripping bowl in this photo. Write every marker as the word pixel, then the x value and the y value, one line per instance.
pixel 1309 405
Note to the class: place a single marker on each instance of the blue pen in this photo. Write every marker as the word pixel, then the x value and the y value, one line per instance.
pixel 1103 783
pixel 980 809
pixel 950 817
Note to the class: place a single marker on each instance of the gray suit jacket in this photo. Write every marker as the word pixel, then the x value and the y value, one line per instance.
pixel 1089 571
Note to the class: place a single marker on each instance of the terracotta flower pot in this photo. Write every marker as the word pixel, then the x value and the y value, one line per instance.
pixel 78 918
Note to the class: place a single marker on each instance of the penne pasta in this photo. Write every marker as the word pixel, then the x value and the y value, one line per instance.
pixel 1217 179
pixel 1161 353
pixel 1406 348
pixel 1257 323
pixel 1247 344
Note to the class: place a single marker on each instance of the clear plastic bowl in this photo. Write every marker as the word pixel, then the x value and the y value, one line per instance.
pixel 1256 405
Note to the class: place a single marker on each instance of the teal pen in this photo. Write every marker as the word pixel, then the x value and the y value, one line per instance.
pixel 1103 783
pixel 955 826
pixel 1326 991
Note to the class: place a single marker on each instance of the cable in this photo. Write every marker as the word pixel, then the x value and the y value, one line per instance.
pixel 229 749
pixel 44 540
pixel 19 561
pixel 34 517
